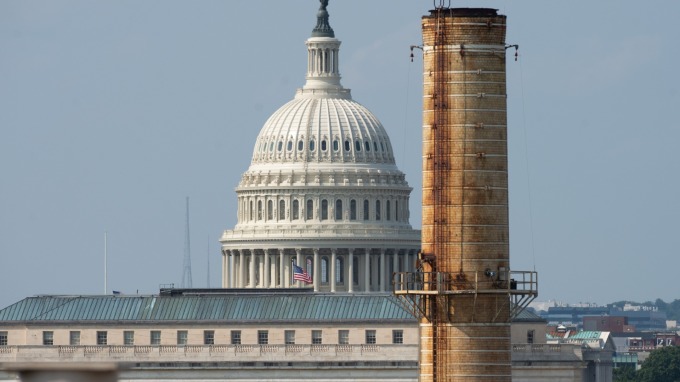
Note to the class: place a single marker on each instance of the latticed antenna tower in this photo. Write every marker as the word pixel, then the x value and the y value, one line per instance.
pixel 186 275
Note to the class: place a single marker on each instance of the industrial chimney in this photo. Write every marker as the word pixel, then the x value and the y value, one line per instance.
pixel 464 291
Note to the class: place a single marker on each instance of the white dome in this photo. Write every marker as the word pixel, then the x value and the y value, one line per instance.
pixel 322 130
pixel 322 189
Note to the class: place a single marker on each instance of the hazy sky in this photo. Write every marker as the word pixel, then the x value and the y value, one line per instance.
pixel 112 112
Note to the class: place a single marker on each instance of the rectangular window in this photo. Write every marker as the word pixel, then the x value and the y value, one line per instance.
pixel 316 337
pixel 155 337
pixel 4 341
pixel 262 337
pixel 128 338
pixel 208 337
pixel 48 338
pixel 370 337
pixel 74 338
pixel 530 336
pixel 397 336
pixel 290 337
pixel 182 336
pixel 343 337
pixel 235 337
pixel 102 338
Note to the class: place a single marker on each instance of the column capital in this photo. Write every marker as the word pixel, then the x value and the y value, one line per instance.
pixel 316 251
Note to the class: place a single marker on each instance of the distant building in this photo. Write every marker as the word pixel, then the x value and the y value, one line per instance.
pixel 540 356
pixel 642 319
pixel 616 324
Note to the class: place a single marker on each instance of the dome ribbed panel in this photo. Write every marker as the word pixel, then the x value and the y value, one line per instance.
pixel 317 123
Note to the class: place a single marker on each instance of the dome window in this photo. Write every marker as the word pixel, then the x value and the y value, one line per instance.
pixel 338 209
pixel 323 145
pixel 375 146
pixel 271 146
pixel 336 145
pixel 324 209
pixel 311 145
pixel 366 210
pixel 301 145
pixel 348 146
pixel 357 145
pixel 396 210
pixel 367 145
pixel 387 210
pixel 270 210
pixel 310 209
pixel 290 145
pixel 382 147
pixel 282 208
pixel 339 270
pixel 352 209
pixel 296 210
pixel 280 145
pixel 377 210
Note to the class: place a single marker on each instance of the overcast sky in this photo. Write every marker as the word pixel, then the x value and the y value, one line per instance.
pixel 112 112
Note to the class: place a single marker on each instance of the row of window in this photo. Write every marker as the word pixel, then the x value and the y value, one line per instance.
pixel 338 212
pixel 102 337
pixel 358 145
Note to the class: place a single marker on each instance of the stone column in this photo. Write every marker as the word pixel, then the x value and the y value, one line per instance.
pixel 334 254
pixel 251 270
pixel 230 270
pixel 241 268
pixel 298 262
pixel 316 270
pixel 282 270
pixel 381 269
pixel 395 263
pixel 224 268
pixel 267 270
pixel 367 270
pixel 350 270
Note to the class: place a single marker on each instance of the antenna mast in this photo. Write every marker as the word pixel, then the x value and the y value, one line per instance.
pixel 186 275
pixel 106 281
pixel 208 278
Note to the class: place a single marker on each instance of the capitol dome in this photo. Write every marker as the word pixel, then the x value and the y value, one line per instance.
pixel 322 192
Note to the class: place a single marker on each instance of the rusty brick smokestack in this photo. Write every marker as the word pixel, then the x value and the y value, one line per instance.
pixel 465 187
pixel 465 293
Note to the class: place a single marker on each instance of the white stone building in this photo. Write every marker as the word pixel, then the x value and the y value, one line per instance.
pixel 322 190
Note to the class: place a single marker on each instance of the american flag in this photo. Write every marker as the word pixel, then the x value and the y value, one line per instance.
pixel 301 275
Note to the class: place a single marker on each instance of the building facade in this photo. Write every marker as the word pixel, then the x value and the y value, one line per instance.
pixel 202 335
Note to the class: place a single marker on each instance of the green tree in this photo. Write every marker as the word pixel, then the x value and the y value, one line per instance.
pixel 663 365
pixel 625 374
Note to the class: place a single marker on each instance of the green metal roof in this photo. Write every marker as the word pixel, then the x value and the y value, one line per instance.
pixel 241 307
pixel 525 315
pixel 586 335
